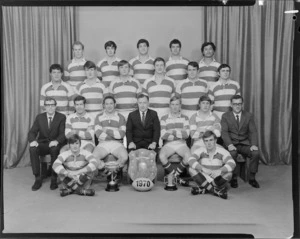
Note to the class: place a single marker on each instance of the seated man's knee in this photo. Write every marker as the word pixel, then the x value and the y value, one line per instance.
pixel 233 154
pixel 54 150
pixel 192 171
pixel 227 176
pixel 33 149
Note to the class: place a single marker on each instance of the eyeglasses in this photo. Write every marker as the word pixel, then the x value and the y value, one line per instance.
pixel 237 104
pixel 48 105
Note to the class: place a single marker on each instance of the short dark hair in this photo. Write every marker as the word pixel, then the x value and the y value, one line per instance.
pixel 111 44
pixel 208 133
pixel 89 65
pixel 174 98
pixel 48 98
pixel 204 98
pixel 236 97
pixel 142 41
pixel 143 96
pixel 207 44
pixel 79 98
pixel 109 97
pixel 78 43
pixel 159 59
pixel 224 66
pixel 74 138
pixel 122 63
pixel 194 64
pixel 56 67
pixel 174 41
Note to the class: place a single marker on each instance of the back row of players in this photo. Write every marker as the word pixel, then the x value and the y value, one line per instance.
pixel 161 82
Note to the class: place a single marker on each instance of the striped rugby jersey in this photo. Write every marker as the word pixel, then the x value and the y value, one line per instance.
pixel 94 95
pixel 108 72
pixel 209 72
pixel 159 94
pixel 83 125
pixel 68 161
pixel 221 94
pixel 63 95
pixel 190 93
pixel 211 122
pixel 110 127
pixel 125 93
pixel 177 69
pixel 179 126
pixel 74 72
pixel 221 160
pixel 141 71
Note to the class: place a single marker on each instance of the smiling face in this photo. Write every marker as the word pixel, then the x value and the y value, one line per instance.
pixel 143 49
pixel 208 51
pixel 109 106
pixel 224 73
pixel 56 75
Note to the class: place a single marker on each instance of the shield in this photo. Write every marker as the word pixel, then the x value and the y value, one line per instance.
pixel 142 164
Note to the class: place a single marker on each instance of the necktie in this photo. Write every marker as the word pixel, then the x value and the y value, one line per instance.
pixel 238 120
pixel 143 118
pixel 50 121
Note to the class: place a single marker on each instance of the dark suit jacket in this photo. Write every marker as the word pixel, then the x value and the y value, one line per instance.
pixel 40 131
pixel 245 134
pixel 135 132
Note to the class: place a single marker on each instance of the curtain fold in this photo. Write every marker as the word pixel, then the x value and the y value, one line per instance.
pixel 257 43
pixel 33 39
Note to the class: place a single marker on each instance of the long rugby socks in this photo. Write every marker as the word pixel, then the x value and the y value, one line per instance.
pixel 202 182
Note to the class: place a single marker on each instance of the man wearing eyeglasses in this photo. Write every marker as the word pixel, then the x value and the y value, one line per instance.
pixel 240 137
pixel 46 136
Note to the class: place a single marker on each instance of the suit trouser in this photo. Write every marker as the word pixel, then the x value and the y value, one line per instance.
pixel 41 150
pixel 246 152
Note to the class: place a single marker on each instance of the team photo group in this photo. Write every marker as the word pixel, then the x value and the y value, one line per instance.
pixel 101 119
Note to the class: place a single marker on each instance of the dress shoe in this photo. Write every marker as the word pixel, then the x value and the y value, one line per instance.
pixel 254 183
pixel 197 190
pixel 37 185
pixel 86 192
pixel 182 182
pixel 53 184
pixel 234 183
pixel 222 193
pixel 65 192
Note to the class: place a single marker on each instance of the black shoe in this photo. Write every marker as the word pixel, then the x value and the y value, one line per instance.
pixel 254 183
pixel 182 182
pixel 53 184
pixel 197 190
pixel 86 192
pixel 37 185
pixel 222 193
pixel 234 183
pixel 65 192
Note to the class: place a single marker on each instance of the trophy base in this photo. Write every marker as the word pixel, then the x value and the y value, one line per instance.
pixel 171 188
pixel 112 188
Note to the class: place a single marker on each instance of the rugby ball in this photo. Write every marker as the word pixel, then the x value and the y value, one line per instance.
pixel 142 184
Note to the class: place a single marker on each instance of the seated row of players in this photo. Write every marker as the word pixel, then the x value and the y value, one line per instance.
pixel 210 166
pixel 160 88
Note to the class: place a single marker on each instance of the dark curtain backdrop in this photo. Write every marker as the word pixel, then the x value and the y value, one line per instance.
pixel 33 39
pixel 257 43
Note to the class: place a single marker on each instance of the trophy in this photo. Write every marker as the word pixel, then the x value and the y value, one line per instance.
pixel 170 181
pixel 112 186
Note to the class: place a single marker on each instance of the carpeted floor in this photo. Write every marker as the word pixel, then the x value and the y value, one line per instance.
pixel 265 213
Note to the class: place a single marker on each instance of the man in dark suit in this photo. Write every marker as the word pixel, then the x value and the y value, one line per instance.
pixel 240 137
pixel 46 136
pixel 143 127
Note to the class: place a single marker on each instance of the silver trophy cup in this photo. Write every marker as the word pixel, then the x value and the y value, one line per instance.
pixel 112 185
pixel 170 182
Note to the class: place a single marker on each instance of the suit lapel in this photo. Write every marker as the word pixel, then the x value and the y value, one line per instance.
pixel 138 116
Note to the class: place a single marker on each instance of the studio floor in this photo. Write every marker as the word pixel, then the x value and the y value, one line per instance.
pixel 266 212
